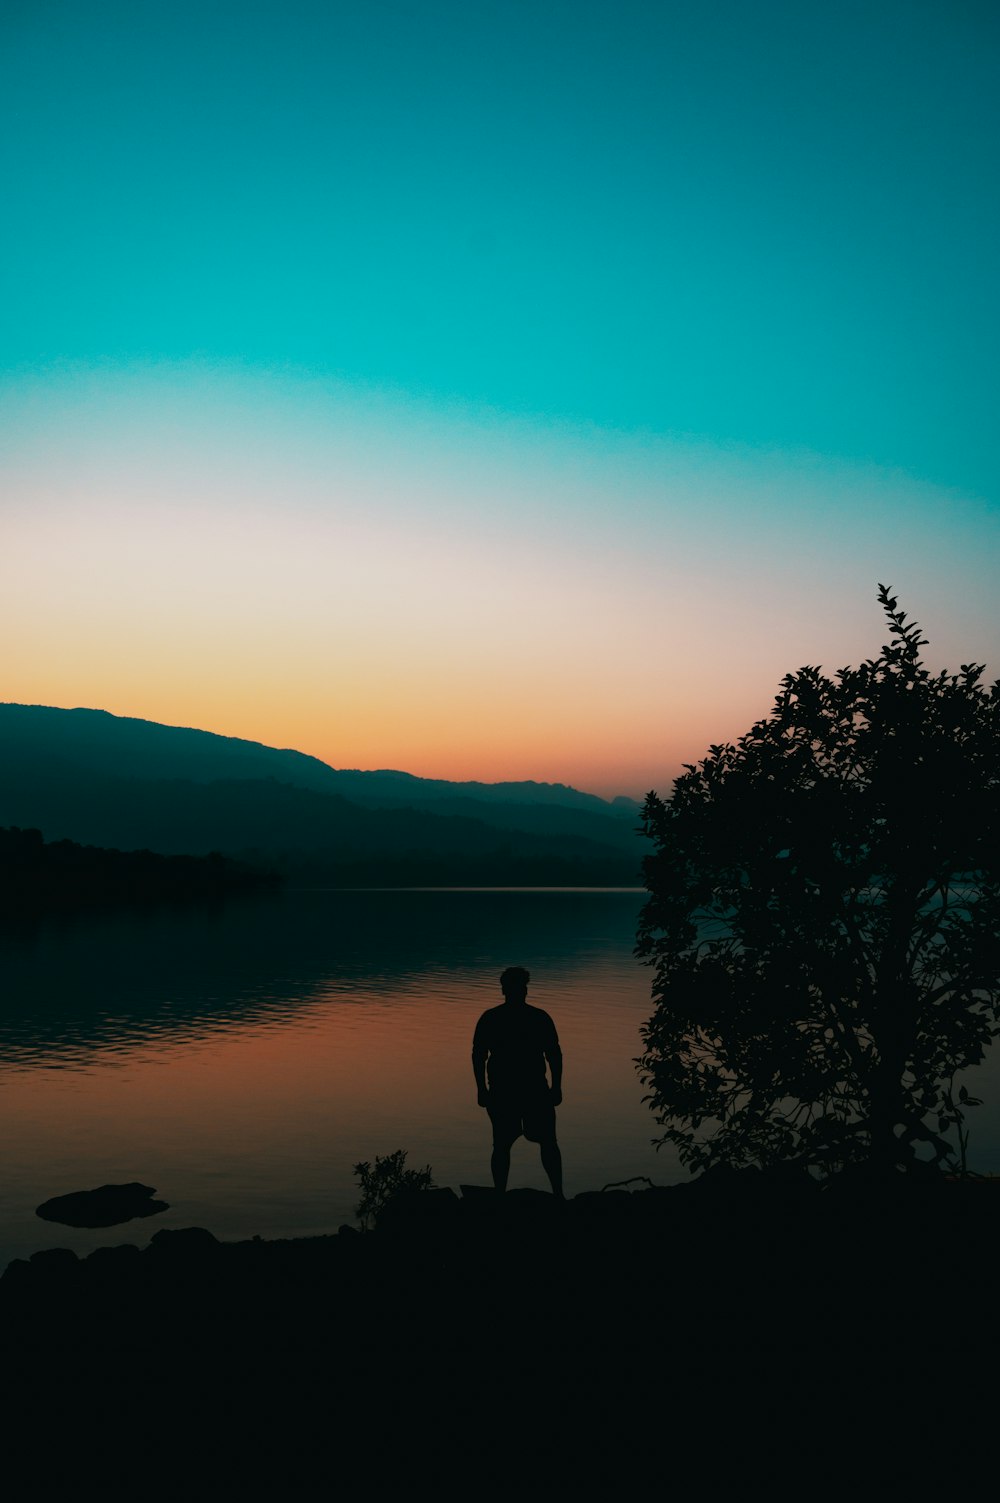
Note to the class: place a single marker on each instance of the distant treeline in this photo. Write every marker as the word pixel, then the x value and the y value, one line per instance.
pixel 60 873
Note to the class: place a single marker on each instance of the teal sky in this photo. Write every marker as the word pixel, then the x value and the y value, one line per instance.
pixel 745 229
pixel 767 223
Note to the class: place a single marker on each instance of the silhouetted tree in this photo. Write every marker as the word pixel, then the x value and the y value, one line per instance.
pixel 824 921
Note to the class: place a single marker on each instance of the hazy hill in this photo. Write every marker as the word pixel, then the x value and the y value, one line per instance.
pixel 119 746
pixel 90 776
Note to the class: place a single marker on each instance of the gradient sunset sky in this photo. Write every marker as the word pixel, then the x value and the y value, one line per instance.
pixel 492 390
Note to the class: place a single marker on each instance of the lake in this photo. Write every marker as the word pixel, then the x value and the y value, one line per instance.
pixel 242 1060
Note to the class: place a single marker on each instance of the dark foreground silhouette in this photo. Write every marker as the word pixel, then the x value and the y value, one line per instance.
pixel 738 1326
pixel 511 1047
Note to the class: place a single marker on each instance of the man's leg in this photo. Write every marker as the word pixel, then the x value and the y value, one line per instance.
pixel 500 1164
pixel 552 1164
pixel 506 1129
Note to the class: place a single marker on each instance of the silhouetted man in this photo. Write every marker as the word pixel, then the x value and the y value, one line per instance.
pixel 510 1049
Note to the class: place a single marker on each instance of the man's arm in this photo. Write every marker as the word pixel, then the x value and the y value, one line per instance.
pixel 554 1059
pixel 480 1050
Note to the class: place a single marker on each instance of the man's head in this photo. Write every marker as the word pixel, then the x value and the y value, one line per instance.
pixel 514 983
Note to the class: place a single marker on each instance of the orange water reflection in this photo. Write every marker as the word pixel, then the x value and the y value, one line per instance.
pixel 251 1126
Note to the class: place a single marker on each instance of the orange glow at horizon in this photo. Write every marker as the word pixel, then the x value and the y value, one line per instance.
pixel 391 588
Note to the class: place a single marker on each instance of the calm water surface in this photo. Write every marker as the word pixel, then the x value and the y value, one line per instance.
pixel 241 1061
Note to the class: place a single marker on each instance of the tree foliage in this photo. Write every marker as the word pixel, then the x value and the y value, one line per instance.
pixel 824 921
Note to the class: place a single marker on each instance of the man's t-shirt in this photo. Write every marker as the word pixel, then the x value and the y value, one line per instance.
pixel 517 1040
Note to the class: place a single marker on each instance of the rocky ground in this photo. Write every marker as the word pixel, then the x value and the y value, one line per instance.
pixel 517 1339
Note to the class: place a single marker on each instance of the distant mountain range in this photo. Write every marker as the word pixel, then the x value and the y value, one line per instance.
pixel 102 779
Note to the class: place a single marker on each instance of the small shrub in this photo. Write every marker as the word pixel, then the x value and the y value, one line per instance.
pixel 383 1183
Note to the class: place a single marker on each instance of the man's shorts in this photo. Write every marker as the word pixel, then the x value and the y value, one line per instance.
pixel 533 1115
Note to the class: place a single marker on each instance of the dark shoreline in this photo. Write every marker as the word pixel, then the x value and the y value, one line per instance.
pixel 757 1240
pixel 482 1346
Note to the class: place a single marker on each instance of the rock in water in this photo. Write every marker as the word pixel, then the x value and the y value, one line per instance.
pixel 109 1205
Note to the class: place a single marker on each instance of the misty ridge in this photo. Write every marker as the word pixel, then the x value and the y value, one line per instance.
pixel 98 779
